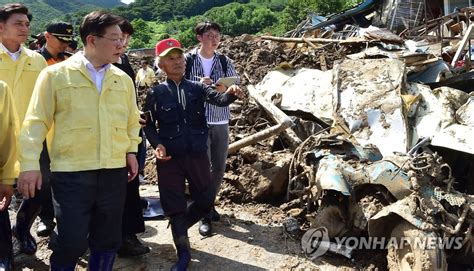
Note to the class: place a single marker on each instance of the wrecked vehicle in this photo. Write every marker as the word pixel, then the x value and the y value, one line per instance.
pixel 351 191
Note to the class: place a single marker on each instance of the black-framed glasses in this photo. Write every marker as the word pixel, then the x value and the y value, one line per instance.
pixel 213 36
pixel 120 41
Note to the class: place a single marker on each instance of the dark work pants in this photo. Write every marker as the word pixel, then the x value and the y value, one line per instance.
pixel 88 207
pixel 171 182
pixel 217 149
pixel 133 221
pixel 44 195
pixel 141 154
pixel 6 247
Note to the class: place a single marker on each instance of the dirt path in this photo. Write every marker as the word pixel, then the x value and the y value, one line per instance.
pixel 245 238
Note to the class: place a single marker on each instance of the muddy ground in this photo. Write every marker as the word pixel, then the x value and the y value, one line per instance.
pixel 248 237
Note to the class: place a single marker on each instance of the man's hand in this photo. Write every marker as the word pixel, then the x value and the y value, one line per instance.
pixel 235 90
pixel 6 193
pixel 206 80
pixel 160 153
pixel 132 166
pixel 28 182
pixel 221 88
pixel 142 122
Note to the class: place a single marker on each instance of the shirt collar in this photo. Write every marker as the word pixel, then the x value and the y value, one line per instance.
pixel 47 55
pixel 91 67
pixel 14 55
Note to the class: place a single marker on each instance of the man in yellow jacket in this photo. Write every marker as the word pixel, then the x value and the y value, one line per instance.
pixel 8 172
pixel 145 74
pixel 94 143
pixel 19 68
pixel 57 36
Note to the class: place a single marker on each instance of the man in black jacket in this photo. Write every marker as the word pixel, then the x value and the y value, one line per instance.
pixel 132 222
pixel 177 106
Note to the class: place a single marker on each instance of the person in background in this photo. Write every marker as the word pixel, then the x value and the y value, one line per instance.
pixel 206 65
pixel 177 106
pixel 71 48
pixel 19 69
pixel 93 148
pixel 57 37
pixel 8 172
pixel 38 41
pixel 132 222
pixel 145 74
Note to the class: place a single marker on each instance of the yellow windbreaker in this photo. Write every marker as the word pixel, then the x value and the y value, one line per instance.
pixel 20 77
pixel 92 130
pixel 8 131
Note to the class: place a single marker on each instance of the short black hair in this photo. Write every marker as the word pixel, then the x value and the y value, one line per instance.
pixel 9 9
pixel 203 27
pixel 126 27
pixel 96 22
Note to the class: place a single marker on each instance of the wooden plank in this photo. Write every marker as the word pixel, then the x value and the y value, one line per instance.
pixel 277 116
pixel 465 40
pixel 257 137
pixel 314 40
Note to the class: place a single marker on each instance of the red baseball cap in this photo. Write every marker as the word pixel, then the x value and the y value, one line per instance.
pixel 165 46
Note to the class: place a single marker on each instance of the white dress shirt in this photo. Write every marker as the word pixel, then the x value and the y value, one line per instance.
pixel 97 75
pixel 16 55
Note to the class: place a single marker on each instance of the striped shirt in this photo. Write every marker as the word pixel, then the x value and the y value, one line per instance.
pixel 214 114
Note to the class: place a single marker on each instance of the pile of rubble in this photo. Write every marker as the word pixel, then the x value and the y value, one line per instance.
pixel 344 129
pixel 402 108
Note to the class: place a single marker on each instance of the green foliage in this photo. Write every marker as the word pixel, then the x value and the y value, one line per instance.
pixel 142 36
pixel 298 10
pixel 154 20
pixel 47 11
pixel 166 10
pixel 235 19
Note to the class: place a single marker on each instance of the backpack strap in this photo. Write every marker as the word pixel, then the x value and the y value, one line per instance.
pixel 223 61
pixel 189 64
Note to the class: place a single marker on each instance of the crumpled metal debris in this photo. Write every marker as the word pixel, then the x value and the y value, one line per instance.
pixel 306 90
pixel 367 96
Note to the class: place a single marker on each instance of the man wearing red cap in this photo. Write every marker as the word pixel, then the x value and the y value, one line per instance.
pixel 177 106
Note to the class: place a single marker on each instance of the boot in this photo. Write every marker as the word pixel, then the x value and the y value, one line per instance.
pixel 181 241
pixel 6 247
pixel 6 264
pixel 183 251
pixel 131 246
pixel 25 217
pixel 101 260
pixel 55 267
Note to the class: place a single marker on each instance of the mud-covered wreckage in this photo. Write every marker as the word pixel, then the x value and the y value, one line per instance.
pixel 382 142
pixel 363 127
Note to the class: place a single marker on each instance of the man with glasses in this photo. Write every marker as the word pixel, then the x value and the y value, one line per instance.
pixel 58 35
pixel 19 68
pixel 92 105
pixel 206 65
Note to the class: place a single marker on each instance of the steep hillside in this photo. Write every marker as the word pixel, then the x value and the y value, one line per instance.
pixel 45 11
